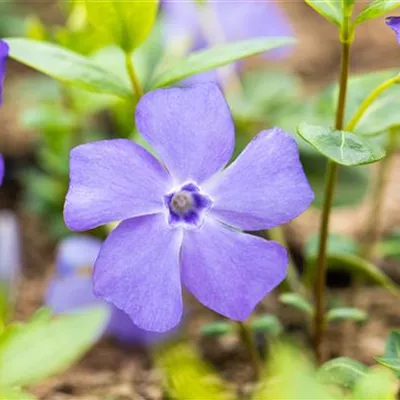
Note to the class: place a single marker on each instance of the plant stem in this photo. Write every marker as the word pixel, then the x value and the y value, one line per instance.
pixel 247 339
pixel 292 281
pixel 132 75
pixel 368 101
pixel 320 281
pixel 371 233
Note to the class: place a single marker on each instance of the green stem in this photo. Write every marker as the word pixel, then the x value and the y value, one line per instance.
pixel 132 75
pixel 368 101
pixel 371 232
pixel 292 281
pixel 247 339
pixel 320 280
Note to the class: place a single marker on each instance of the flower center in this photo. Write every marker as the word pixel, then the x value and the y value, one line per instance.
pixel 187 205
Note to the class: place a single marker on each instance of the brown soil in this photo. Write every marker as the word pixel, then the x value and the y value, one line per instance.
pixel 112 372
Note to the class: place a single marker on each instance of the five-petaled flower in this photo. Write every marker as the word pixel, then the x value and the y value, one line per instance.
pixel 181 218
pixel 3 59
pixel 394 23
pixel 71 289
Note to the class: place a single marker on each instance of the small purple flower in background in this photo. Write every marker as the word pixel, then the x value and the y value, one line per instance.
pixel 237 20
pixel 394 23
pixel 10 258
pixel 72 289
pixel 3 59
pixel 4 49
pixel 1 169
pixel 180 223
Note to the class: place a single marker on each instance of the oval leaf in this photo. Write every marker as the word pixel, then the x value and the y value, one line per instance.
pixel 392 347
pixel 330 9
pixel 342 147
pixel 218 56
pixel 376 8
pixel 216 329
pixel 67 66
pixel 342 371
pixel 126 23
pixel 268 324
pixel 32 352
pixel 297 301
pixel 346 314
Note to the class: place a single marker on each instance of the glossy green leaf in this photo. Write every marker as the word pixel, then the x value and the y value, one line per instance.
pixel 389 246
pixel 125 23
pixel 218 56
pixel 297 301
pixel 34 351
pixel 377 8
pixel 67 66
pixel 268 324
pixel 342 371
pixel 346 314
pixel 377 384
pixel 392 347
pixel 330 9
pixel 218 328
pixel 337 244
pixel 344 148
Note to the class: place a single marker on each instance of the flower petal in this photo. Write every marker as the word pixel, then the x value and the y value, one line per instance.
pixel 138 271
pixel 4 49
pixel 112 180
pixel 190 128
pixel 77 252
pixel 70 293
pixel 229 271
pixel 394 23
pixel 265 187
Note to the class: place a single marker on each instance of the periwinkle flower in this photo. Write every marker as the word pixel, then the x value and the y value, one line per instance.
pixel 181 218
pixel 4 49
pixel 394 24
pixel 10 258
pixel 1 169
pixel 236 20
pixel 72 289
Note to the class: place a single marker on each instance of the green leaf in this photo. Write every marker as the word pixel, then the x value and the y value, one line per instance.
pixel 216 329
pixel 361 267
pixel 218 56
pixel 125 23
pixel 347 7
pixel 376 8
pixel 392 363
pixel 330 9
pixel 188 376
pixel 344 148
pixel 32 352
pixel 342 371
pixel 337 244
pixel 377 384
pixel 268 324
pixel 345 314
pixel 67 66
pixel 297 301
pixel 14 394
pixel 392 347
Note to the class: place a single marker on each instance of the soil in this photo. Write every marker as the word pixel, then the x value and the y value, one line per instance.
pixel 114 372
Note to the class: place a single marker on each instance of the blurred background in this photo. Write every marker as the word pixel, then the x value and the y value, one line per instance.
pixel 40 120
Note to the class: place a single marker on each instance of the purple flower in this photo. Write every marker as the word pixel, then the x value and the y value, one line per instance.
pixel 4 49
pixel 181 218
pixel 71 289
pixel 1 169
pixel 237 20
pixel 394 23
pixel 10 256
